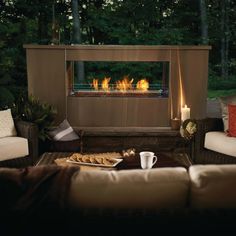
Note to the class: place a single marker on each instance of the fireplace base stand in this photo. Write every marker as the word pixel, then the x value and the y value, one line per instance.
pixel 152 139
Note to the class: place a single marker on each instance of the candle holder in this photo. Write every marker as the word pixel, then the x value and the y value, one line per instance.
pixel 175 124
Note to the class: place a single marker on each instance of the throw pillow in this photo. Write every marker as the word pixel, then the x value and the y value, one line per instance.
pixel 232 120
pixel 64 132
pixel 7 127
pixel 224 101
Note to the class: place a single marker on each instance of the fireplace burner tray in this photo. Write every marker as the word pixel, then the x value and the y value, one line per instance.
pixel 158 94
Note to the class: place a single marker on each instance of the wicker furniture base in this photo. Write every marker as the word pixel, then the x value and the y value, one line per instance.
pixel 17 162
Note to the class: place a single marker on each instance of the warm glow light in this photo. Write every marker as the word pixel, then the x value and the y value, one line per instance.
pixel 180 86
pixel 124 84
pixel 95 84
pixel 105 83
pixel 142 85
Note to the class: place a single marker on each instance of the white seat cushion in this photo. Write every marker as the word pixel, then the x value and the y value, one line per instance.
pixel 13 147
pixel 220 142
pixel 154 188
pixel 213 186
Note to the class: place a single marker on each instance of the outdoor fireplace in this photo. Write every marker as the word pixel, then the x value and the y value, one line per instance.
pixel 119 85
pixel 113 79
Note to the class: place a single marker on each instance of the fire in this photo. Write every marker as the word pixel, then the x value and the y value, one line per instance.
pixel 105 83
pixel 142 85
pixel 124 84
pixel 95 84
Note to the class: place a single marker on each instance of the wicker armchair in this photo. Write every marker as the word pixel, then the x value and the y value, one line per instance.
pixel 29 131
pixel 203 155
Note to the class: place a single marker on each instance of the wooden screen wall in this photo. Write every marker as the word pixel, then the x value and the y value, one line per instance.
pixel 46 69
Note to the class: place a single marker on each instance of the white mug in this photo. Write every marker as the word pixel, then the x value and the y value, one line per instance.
pixel 147 159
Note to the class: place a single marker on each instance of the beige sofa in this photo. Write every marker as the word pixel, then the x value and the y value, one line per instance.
pixel 204 186
pixel 66 201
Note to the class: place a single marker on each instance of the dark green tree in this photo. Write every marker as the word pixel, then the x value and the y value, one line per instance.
pixel 114 22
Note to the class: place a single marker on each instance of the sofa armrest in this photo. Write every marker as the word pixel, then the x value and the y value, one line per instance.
pixel 29 131
pixel 204 126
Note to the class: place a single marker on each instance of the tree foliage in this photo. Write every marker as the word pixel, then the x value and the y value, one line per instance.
pixel 149 22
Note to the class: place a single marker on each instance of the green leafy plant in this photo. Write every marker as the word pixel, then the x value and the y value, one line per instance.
pixel 32 110
pixel 6 98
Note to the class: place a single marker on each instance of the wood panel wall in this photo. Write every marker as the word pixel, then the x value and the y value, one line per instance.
pixel 46 69
pixel 46 78
pixel 118 112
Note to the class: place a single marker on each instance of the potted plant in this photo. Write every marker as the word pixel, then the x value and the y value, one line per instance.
pixel 30 109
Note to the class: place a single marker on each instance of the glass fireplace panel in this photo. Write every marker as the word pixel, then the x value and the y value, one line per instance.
pixel 102 78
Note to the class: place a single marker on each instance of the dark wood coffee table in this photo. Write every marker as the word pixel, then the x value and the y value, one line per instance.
pixel 163 160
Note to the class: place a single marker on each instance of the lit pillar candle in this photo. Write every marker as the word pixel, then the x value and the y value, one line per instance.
pixel 185 113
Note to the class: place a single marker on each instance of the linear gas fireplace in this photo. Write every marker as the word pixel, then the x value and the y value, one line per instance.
pixel 119 85
pixel 114 79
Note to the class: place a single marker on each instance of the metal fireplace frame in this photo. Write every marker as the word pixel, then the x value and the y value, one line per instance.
pixel 124 85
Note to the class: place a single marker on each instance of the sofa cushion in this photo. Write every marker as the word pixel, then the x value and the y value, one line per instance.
pixel 232 120
pixel 7 127
pixel 154 188
pixel 213 186
pixel 13 147
pixel 64 132
pixel 224 101
pixel 219 142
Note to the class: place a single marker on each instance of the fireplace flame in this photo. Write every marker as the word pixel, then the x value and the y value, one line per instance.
pixel 105 83
pixel 142 85
pixel 124 84
pixel 95 84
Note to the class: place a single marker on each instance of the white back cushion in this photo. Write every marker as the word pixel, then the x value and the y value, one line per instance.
pixel 213 186
pixel 158 188
pixel 7 127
